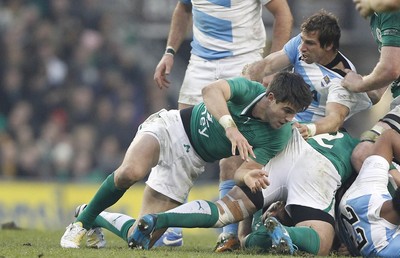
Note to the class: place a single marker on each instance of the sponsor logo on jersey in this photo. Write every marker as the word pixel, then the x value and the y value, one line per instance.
pixel 187 147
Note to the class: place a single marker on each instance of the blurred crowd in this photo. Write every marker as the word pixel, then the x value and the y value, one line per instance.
pixel 71 92
pixel 76 80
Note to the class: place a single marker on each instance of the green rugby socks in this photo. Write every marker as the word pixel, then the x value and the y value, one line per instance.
pixel 195 214
pixel 106 196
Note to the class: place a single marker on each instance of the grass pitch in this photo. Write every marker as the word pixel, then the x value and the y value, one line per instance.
pixel 36 243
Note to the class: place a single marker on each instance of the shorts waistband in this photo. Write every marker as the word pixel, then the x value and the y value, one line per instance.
pixel 186 114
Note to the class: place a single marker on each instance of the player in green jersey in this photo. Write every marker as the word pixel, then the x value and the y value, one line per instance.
pixel 304 196
pixel 238 117
pixel 385 28
pixel 306 174
pixel 368 7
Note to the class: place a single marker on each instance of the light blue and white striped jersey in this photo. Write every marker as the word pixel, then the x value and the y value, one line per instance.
pixel 324 84
pixel 360 209
pixel 223 28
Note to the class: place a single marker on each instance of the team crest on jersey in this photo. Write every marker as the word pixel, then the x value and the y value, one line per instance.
pixel 325 81
pixel 378 35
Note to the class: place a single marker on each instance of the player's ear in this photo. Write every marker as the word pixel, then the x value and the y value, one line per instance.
pixel 270 97
pixel 329 47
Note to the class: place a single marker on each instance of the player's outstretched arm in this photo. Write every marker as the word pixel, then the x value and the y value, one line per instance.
pixel 368 7
pixel 385 71
pixel 180 24
pixel 272 63
pixel 215 97
pixel 283 23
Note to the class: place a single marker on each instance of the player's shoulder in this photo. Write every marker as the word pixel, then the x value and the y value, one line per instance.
pixel 245 82
pixel 393 17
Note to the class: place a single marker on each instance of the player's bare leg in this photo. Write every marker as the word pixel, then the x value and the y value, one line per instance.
pixel 364 148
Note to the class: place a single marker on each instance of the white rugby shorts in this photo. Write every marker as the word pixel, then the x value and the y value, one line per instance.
pixel 201 72
pixel 372 179
pixel 302 176
pixel 179 165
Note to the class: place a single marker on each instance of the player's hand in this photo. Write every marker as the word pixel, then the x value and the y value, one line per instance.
pixel 163 69
pixel 303 130
pixel 267 79
pixel 276 209
pixel 256 180
pixel 363 7
pixel 245 72
pixel 352 81
pixel 343 251
pixel 240 143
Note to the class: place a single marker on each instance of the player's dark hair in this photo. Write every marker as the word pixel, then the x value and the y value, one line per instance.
pixel 291 88
pixel 396 201
pixel 327 25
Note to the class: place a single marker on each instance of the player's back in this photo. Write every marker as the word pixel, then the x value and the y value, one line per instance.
pixel 367 230
pixel 337 147
pixel 360 217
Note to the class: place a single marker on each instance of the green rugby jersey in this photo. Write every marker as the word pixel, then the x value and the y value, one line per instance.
pixel 209 138
pixel 385 28
pixel 337 147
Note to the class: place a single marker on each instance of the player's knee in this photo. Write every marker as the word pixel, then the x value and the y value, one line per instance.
pixel 228 167
pixel 325 244
pixel 225 175
pixel 326 241
pixel 126 175
pixel 324 249
pixel 360 153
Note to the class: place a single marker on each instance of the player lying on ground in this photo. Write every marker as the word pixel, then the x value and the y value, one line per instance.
pixel 369 216
pixel 307 174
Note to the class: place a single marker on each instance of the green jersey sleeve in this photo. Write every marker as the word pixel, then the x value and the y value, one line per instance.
pixel 385 28
pixel 244 90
